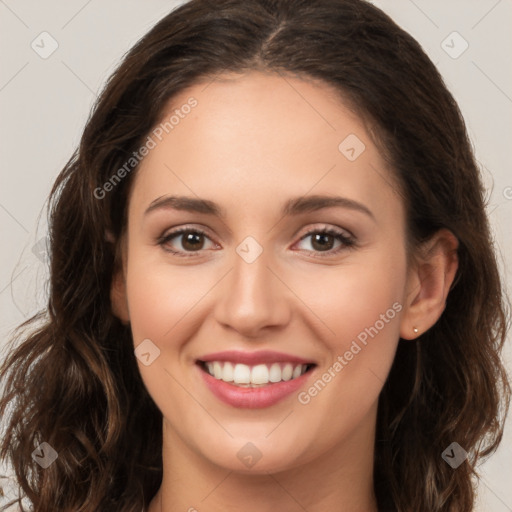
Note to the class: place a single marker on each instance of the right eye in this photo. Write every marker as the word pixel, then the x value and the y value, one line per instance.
pixel 192 241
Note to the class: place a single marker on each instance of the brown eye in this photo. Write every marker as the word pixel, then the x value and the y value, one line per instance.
pixel 192 241
pixel 324 241
pixel 184 241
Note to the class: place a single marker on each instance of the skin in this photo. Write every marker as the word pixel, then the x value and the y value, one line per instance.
pixel 254 141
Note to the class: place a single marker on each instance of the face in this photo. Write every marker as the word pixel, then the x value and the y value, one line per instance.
pixel 295 270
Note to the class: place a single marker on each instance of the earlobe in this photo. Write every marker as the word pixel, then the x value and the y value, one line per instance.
pixel 429 283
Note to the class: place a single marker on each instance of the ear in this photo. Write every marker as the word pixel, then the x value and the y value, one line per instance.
pixel 428 283
pixel 118 295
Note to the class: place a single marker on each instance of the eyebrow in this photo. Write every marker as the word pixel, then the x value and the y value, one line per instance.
pixel 294 206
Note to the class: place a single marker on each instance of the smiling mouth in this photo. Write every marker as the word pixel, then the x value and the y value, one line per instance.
pixel 254 376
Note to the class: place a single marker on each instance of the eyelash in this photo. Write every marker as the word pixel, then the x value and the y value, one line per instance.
pixel 347 242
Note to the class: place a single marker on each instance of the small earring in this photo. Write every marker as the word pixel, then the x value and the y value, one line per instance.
pixel 415 329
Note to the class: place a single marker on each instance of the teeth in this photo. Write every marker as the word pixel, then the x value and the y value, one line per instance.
pixel 252 376
pixel 242 374
pixel 259 374
pixel 217 370
pixel 287 372
pixel 227 373
pixel 275 373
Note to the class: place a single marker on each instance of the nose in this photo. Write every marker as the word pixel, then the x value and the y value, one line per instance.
pixel 253 298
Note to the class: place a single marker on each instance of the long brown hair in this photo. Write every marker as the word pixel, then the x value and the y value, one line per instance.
pixel 71 379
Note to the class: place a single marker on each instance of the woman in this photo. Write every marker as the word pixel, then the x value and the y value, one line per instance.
pixel 272 279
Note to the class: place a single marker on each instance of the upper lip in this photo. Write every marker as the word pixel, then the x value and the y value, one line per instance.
pixel 253 358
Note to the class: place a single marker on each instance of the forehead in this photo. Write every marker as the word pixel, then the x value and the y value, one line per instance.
pixel 262 136
pixel 241 112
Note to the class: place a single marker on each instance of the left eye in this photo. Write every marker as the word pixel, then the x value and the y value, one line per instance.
pixel 322 240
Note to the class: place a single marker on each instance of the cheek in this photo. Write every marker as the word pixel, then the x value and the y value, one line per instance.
pixel 160 297
pixel 365 304
pixel 352 298
pixel 362 307
pixel 163 302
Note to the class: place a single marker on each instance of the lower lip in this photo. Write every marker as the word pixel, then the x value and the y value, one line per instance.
pixel 253 398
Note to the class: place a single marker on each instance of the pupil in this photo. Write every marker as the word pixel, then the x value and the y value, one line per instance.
pixel 321 237
pixel 190 238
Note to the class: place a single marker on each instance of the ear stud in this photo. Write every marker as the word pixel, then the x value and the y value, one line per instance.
pixel 415 329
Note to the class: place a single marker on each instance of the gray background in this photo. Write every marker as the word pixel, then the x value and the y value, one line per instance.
pixel 44 103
